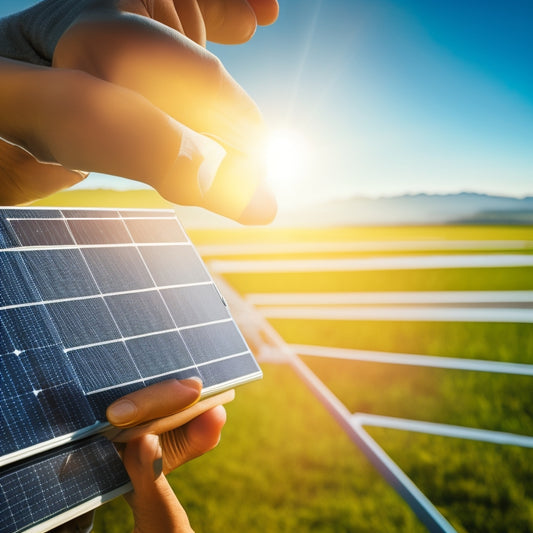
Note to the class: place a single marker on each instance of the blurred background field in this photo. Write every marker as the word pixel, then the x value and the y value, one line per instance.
pixel 284 465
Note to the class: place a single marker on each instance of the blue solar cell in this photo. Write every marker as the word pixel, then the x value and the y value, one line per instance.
pixel 156 230
pixel 81 322
pixel 99 231
pixel 47 367
pixel 14 379
pixel 23 417
pixel 59 273
pixel 7 235
pixel 29 212
pixel 103 366
pixel 160 354
pixel 139 313
pixel 66 408
pixel 147 213
pixel 195 305
pixel 213 341
pixel 6 345
pixel 29 327
pixel 42 232
pixel 174 264
pixel 107 268
pixel 218 372
pixel 15 285
pixel 90 213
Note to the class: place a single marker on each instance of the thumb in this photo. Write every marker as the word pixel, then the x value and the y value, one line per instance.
pixel 220 178
pixel 154 504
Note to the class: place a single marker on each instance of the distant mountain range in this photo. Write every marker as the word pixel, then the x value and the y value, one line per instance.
pixel 410 209
pixel 414 209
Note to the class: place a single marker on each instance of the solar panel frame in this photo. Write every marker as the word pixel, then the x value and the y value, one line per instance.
pixel 68 304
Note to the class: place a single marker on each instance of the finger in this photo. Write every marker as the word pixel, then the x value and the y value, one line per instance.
pixel 266 11
pixel 191 20
pixel 154 505
pixel 228 22
pixel 199 436
pixel 156 401
pixel 169 423
pixel 23 179
pixel 227 182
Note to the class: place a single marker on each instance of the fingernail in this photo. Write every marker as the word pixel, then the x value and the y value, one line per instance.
pixel 211 154
pixel 158 467
pixel 121 412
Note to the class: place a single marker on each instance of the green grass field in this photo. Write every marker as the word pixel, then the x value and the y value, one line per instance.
pixel 284 465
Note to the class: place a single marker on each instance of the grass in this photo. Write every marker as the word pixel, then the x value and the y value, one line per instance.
pixel 283 463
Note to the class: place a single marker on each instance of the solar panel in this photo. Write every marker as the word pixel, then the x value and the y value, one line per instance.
pixel 95 304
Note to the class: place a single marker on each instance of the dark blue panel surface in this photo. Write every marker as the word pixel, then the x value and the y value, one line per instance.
pixel 81 322
pixel 89 213
pixel 45 232
pixel 6 345
pixel 118 269
pixel 99 231
pixel 156 230
pixel 195 304
pixel 174 265
pixel 228 370
pixel 139 312
pixel 213 341
pixel 8 238
pixel 40 398
pixel 15 286
pixel 29 327
pixel 30 212
pixel 41 488
pixel 23 418
pixel 159 354
pixel 59 273
pixel 103 365
pixel 147 213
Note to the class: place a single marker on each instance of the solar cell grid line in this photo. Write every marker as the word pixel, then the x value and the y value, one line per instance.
pixel 95 304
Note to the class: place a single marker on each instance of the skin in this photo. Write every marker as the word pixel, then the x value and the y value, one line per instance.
pixel 133 82
pixel 127 77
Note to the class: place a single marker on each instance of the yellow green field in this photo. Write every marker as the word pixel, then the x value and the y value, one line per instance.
pixel 284 465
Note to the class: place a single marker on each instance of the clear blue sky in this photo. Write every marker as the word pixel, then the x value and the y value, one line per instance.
pixel 398 96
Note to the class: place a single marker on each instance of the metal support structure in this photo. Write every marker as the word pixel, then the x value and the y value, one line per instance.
pixel 270 346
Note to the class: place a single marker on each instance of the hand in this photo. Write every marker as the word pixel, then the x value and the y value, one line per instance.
pixel 159 402
pixel 127 89
pixel 154 504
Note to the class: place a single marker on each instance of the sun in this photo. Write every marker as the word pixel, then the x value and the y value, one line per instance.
pixel 287 162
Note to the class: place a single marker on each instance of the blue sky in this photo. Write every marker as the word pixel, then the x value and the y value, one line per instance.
pixel 404 96
pixel 397 96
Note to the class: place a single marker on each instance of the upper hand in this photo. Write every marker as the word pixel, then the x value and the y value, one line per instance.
pixel 160 80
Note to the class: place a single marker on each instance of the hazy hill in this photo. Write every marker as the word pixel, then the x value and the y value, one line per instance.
pixel 416 209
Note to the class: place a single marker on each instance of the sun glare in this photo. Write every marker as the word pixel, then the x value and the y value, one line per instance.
pixel 287 154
